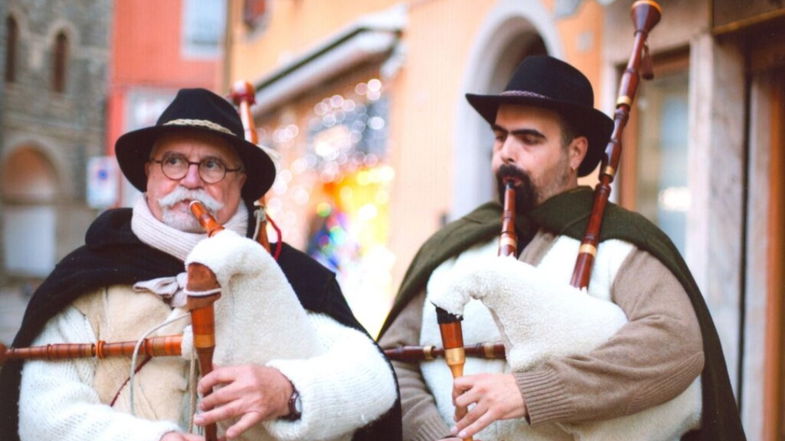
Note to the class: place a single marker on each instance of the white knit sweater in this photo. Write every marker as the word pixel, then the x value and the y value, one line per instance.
pixel 344 388
pixel 341 390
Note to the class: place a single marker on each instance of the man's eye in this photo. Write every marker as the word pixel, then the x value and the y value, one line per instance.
pixel 530 139
pixel 212 164
pixel 174 160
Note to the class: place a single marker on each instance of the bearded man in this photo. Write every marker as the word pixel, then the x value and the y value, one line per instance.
pixel 124 281
pixel 547 134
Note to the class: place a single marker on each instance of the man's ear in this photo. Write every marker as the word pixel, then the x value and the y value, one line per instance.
pixel 577 151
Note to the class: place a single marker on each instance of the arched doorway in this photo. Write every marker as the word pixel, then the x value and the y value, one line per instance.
pixel 29 191
pixel 512 31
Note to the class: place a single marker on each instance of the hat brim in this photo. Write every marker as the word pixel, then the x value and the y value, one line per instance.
pixel 589 122
pixel 133 151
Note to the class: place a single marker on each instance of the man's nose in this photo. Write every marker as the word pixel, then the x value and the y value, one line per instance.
pixel 508 150
pixel 192 178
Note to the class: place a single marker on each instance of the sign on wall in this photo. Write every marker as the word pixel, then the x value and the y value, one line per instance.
pixel 102 175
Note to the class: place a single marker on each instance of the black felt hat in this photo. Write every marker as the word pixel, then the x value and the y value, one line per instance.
pixel 197 110
pixel 545 81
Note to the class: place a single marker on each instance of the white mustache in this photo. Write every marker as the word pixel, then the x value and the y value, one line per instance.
pixel 181 193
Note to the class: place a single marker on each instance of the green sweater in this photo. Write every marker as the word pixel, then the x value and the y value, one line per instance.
pixel 567 214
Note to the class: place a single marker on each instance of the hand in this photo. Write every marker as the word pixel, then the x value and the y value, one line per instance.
pixel 251 393
pixel 495 397
pixel 179 436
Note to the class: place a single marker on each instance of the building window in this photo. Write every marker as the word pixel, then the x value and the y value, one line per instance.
pixel 254 12
pixel 60 63
pixel 655 181
pixel 10 49
pixel 203 28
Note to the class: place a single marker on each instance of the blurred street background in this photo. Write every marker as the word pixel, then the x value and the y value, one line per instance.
pixel 364 103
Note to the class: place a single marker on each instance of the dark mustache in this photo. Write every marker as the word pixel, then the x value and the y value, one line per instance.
pixel 511 171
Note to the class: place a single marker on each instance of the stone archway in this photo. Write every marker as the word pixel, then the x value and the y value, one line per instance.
pixel 513 30
pixel 29 192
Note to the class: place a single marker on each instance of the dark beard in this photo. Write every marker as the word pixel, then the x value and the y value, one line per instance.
pixel 525 194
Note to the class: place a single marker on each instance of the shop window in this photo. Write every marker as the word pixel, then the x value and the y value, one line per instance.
pixel 333 188
pixel 203 27
pixel 11 42
pixel 654 173
pixel 254 13
pixel 60 63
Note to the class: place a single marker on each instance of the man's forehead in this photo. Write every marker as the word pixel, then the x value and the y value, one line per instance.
pixel 201 144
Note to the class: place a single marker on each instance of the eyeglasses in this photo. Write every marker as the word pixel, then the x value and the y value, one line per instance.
pixel 212 170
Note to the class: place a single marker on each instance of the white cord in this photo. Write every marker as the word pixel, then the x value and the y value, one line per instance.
pixel 206 293
pixel 136 353
pixel 260 216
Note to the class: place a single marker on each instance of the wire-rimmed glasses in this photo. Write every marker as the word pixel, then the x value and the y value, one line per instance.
pixel 211 169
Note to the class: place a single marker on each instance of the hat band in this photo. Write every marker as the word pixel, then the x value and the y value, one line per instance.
pixel 199 123
pixel 524 93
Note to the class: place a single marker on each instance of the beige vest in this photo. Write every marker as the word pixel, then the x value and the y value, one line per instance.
pixel 160 388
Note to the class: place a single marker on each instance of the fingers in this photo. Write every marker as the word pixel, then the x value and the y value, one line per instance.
pixel 219 413
pixel 492 397
pixel 221 375
pixel 462 384
pixel 221 396
pixel 473 422
pixel 246 422
pixel 250 393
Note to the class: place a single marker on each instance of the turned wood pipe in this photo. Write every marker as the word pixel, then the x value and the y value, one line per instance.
pixel 645 15
pixel 203 290
pixel 508 242
pixel 168 345
pixel 244 96
pixel 415 354
pixel 454 353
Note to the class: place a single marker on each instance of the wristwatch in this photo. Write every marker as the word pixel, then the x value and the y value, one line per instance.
pixel 295 406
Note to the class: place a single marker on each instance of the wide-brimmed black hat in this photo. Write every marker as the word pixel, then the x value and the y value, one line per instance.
pixel 197 110
pixel 545 81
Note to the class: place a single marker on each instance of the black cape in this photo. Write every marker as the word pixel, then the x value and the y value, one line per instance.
pixel 568 214
pixel 113 255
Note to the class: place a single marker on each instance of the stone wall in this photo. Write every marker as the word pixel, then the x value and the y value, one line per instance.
pixel 64 128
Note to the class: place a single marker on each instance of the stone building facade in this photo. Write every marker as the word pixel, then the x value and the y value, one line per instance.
pixel 52 105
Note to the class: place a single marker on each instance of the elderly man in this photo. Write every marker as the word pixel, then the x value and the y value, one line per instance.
pixel 124 281
pixel 547 134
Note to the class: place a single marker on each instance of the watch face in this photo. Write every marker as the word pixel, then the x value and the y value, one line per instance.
pixel 298 404
pixel 295 406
